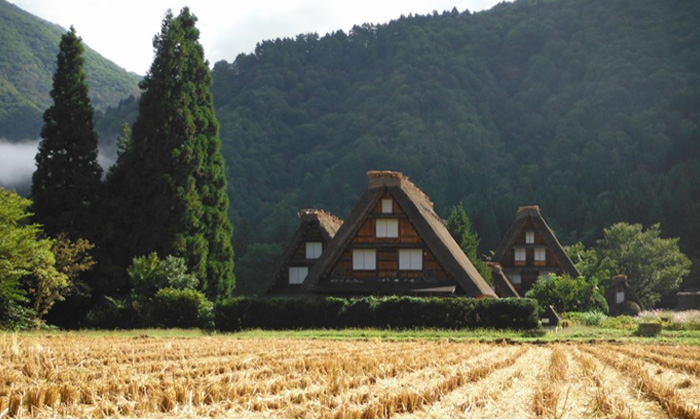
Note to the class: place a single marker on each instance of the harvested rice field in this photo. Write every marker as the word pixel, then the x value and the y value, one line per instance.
pixel 218 376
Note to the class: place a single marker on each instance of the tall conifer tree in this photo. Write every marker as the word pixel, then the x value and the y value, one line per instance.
pixel 67 180
pixel 175 171
pixel 460 227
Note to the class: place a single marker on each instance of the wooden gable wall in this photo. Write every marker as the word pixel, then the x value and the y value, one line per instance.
pixel 530 269
pixel 387 250
pixel 311 233
pixel 551 260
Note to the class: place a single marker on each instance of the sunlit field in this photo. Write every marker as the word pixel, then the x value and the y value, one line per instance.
pixel 68 375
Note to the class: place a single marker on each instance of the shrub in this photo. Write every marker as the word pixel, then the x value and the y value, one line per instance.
pixel 591 319
pixel 622 322
pixel 112 313
pixel 397 312
pixel 358 313
pixel 182 309
pixel 14 316
pixel 566 294
pixel 149 274
pixel 630 308
pixel 648 329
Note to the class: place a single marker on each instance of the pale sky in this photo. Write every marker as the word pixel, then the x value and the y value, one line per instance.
pixel 123 30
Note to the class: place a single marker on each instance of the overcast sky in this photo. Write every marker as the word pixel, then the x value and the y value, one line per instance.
pixel 123 30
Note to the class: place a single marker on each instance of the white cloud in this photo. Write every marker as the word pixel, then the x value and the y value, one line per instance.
pixel 123 30
pixel 17 163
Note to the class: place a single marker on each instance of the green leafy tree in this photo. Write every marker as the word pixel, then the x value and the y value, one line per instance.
pixel 175 178
pixel 654 266
pixel 460 227
pixel 567 294
pixel 124 140
pixel 150 276
pixel 72 259
pixel 587 262
pixel 67 179
pixel 29 282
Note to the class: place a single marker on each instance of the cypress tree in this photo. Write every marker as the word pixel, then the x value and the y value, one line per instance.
pixel 460 227
pixel 67 180
pixel 174 168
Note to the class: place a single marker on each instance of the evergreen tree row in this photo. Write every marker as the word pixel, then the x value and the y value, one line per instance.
pixel 167 191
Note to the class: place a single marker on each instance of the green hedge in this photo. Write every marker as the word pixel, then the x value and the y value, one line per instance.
pixel 395 312
pixel 181 308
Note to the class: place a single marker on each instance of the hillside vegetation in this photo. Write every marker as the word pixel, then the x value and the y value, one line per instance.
pixel 28 48
pixel 588 108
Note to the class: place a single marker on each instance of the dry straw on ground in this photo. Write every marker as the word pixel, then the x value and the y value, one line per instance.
pixel 79 376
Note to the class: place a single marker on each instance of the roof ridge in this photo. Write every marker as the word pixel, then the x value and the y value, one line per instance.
pixel 378 179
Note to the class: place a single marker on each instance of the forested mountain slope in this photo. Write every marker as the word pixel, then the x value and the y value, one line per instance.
pixel 28 48
pixel 589 108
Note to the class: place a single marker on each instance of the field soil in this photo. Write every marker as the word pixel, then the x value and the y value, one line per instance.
pixel 223 376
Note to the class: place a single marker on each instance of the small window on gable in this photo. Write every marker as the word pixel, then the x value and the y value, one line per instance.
pixel 540 254
pixel 387 228
pixel 297 275
pixel 530 237
pixel 619 297
pixel 313 250
pixel 410 259
pixel 387 206
pixel 545 275
pixel 364 259
pixel 515 277
pixel 520 254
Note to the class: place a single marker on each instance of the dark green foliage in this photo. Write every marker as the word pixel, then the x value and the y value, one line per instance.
pixel 589 108
pixel 396 312
pixel 27 61
pixel 110 313
pixel 178 308
pixel 170 187
pixel 149 274
pixel 653 265
pixel 66 183
pixel 567 294
pixel 630 308
pixel 460 227
pixel 649 329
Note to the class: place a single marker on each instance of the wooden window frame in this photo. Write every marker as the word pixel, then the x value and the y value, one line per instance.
pixel 529 236
pixel 387 206
pixel 410 259
pixel 383 228
pixel 361 258
pixel 540 251
pixel 314 249
pixel 519 250
pixel 295 275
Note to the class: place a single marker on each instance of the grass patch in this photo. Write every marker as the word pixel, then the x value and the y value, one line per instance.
pixel 575 333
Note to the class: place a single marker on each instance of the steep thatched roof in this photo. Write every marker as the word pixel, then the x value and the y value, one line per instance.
pixel 620 281
pixel 419 210
pixel 532 214
pixel 504 288
pixel 327 224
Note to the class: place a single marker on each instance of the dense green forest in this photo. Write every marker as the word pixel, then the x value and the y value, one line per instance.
pixel 588 108
pixel 28 51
